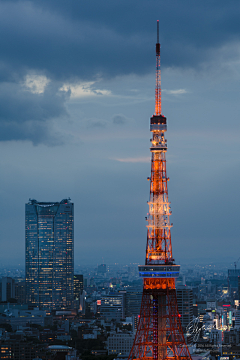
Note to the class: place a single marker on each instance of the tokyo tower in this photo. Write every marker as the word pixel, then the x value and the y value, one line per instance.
pixel 159 334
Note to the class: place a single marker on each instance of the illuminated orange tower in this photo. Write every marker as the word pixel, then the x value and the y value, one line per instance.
pixel 159 333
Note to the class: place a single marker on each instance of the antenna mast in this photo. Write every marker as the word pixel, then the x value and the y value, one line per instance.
pixel 158 76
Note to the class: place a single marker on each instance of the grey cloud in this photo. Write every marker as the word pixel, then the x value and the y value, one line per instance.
pixel 34 131
pixel 95 123
pixel 68 39
pixel 27 116
pixel 119 119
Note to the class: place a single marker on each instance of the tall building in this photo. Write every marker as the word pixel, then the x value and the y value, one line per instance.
pixel 78 286
pixel 238 287
pixel 133 303
pixel 233 275
pixel 49 254
pixel 20 291
pixel 112 307
pixel 185 304
pixel 7 288
pixel 237 319
pixel 102 269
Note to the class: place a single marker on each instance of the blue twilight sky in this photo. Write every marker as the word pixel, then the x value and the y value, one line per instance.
pixel 77 85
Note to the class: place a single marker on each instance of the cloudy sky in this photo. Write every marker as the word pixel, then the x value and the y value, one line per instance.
pixel 77 85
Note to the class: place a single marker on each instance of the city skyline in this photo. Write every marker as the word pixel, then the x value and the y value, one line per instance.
pixel 76 95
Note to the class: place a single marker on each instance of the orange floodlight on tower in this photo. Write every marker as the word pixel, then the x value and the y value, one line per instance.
pixel 159 334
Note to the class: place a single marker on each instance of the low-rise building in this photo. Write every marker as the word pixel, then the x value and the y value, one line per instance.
pixel 120 344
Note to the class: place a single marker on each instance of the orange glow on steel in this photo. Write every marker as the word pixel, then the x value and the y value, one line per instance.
pixel 159 283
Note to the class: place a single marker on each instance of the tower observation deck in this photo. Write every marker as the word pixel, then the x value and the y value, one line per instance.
pixel 159 334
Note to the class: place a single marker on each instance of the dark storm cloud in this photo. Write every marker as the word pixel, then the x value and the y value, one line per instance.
pixel 27 116
pixel 82 39
pixel 34 131
pixel 72 40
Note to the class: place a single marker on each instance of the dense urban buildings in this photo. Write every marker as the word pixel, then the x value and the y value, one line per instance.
pixel 104 320
pixel 49 254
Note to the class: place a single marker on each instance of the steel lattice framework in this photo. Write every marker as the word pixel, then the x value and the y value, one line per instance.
pixel 159 333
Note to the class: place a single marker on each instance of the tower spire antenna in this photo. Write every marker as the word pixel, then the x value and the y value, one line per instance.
pixel 158 76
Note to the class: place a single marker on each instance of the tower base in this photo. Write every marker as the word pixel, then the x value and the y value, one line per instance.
pixel 159 333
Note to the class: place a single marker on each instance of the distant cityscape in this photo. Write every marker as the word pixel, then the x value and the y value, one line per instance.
pixel 100 319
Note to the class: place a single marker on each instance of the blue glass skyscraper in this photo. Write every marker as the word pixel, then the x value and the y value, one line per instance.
pixel 49 254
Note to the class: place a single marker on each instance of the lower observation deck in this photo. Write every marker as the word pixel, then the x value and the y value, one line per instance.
pixel 159 271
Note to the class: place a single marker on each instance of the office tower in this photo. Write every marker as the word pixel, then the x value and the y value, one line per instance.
pixel 233 275
pixel 159 334
pixel 237 318
pixel 185 305
pixel 20 291
pixel 7 288
pixel 181 280
pixel 112 307
pixel 49 254
pixel 133 303
pixel 78 286
pixel 238 287
pixel 102 269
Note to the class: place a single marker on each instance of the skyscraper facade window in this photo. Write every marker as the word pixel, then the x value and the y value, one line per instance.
pixel 78 286
pixel 49 254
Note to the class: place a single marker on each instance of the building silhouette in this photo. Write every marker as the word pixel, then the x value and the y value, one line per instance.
pixel 120 344
pixel 49 254
pixel 133 302
pixel 78 286
pixel 112 307
pixel 102 269
pixel 185 305
pixel 7 288
pixel 20 291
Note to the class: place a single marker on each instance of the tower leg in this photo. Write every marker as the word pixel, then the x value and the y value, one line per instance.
pixel 159 335
pixel 162 347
